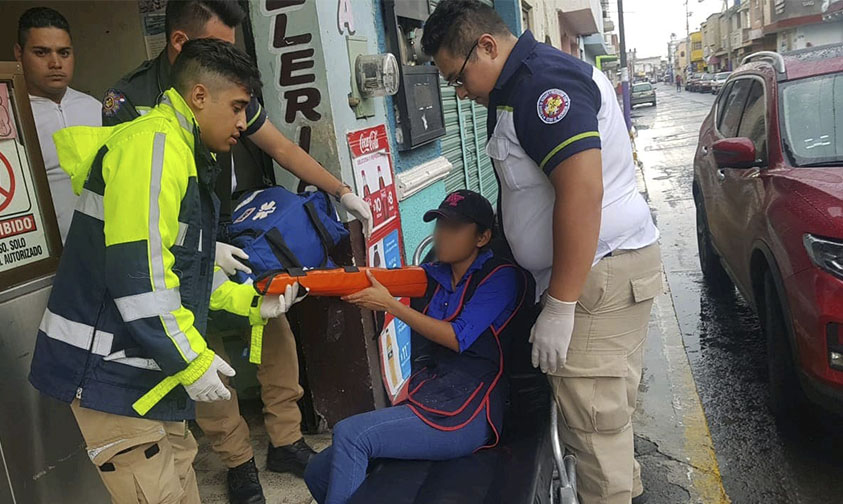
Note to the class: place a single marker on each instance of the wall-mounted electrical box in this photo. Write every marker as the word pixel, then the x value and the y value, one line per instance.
pixel 418 104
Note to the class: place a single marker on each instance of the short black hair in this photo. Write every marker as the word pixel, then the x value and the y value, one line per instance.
pixel 202 58
pixel 40 17
pixel 191 15
pixel 457 24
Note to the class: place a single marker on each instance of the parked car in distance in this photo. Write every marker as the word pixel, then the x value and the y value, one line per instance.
pixel 706 81
pixel 643 92
pixel 768 189
pixel 718 81
pixel 692 81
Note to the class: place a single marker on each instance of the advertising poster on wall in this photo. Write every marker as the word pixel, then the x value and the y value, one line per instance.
pixel 373 175
pixel 375 180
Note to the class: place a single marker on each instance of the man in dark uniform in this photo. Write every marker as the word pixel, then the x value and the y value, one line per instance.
pixel 278 375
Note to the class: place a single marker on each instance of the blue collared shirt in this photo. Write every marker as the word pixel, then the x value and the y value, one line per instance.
pixel 493 300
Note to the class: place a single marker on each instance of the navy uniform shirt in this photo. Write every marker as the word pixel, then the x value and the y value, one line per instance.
pixel 546 107
pixel 141 89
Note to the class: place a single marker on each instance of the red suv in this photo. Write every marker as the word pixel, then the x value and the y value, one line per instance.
pixel 768 189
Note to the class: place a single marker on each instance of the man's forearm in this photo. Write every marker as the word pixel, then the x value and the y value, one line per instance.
pixel 295 160
pixel 578 184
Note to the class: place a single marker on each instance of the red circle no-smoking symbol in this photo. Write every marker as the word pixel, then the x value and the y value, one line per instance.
pixel 7 187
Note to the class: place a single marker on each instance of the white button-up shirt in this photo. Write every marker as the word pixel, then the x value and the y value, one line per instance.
pixel 75 109
pixel 546 107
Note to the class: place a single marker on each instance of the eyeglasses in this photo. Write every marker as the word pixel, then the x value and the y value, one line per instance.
pixel 458 80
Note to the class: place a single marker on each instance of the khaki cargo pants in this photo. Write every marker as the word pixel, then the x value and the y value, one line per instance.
pixel 597 389
pixel 280 391
pixel 139 460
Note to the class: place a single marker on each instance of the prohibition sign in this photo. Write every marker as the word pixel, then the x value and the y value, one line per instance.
pixel 6 193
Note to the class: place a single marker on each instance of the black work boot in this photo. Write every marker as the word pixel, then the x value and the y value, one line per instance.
pixel 244 487
pixel 289 459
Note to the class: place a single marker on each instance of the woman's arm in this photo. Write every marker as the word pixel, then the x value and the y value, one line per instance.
pixel 378 298
pixel 492 298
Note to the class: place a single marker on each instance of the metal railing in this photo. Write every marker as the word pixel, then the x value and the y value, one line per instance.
pixel 566 465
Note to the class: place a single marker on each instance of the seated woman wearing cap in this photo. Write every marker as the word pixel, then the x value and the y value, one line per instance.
pixel 457 389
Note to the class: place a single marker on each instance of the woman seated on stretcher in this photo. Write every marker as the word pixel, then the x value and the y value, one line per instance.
pixel 457 390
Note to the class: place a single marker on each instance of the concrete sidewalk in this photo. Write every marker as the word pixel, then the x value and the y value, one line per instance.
pixel 278 488
pixel 672 440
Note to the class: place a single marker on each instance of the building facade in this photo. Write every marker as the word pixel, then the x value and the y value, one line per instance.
pixel 578 27
pixel 697 59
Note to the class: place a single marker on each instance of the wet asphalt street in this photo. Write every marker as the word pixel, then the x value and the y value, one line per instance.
pixel 760 461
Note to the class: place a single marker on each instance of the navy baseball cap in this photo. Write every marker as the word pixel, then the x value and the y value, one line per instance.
pixel 464 205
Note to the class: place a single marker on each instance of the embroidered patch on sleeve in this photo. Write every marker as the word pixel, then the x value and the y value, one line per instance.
pixel 112 102
pixel 553 106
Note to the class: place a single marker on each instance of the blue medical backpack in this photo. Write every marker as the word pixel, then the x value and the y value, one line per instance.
pixel 281 230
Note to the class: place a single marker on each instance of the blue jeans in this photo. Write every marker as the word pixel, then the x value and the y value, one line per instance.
pixel 335 474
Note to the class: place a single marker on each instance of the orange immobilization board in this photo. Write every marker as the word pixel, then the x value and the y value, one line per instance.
pixel 401 282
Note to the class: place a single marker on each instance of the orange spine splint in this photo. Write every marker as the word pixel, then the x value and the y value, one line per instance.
pixel 403 282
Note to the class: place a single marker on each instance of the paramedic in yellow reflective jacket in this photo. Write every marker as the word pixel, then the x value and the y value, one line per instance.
pixel 122 339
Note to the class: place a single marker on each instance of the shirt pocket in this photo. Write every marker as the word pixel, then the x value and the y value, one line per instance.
pixel 516 170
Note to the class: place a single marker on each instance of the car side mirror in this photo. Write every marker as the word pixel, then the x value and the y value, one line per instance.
pixel 735 153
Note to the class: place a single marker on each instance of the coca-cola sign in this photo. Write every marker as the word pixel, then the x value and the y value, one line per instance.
pixel 369 143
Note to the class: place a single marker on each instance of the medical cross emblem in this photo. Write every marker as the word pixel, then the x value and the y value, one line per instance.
pixel 265 210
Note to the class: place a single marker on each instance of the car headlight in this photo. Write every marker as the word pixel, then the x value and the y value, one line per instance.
pixel 826 254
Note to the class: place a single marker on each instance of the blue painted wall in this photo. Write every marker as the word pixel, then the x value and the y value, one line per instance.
pixel 510 12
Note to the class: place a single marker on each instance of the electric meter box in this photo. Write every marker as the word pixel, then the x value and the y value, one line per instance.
pixel 419 115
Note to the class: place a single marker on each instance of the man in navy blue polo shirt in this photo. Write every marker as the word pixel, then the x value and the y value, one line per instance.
pixel 572 215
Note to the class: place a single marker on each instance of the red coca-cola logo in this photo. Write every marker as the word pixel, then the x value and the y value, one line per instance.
pixel 369 143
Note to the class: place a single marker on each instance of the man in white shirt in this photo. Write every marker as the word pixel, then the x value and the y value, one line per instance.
pixel 572 215
pixel 45 51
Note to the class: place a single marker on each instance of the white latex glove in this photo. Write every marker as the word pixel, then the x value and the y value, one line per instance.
pixel 276 305
pixel 209 386
pixel 226 258
pixel 551 334
pixel 357 206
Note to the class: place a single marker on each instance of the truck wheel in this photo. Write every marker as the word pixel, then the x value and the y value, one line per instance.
pixel 787 401
pixel 715 275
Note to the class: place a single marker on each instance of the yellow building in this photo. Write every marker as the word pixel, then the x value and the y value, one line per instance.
pixel 697 58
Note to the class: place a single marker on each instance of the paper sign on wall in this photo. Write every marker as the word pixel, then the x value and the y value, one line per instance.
pixel 153 18
pixel 394 346
pixel 22 232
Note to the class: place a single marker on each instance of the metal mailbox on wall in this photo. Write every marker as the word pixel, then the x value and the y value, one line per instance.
pixel 419 115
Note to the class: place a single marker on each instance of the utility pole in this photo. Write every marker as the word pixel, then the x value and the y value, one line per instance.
pixel 627 108
pixel 687 38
